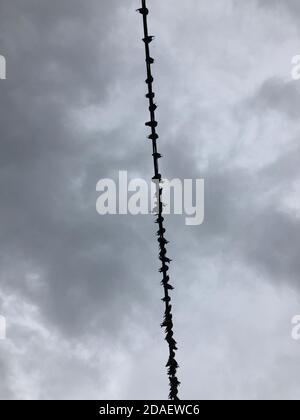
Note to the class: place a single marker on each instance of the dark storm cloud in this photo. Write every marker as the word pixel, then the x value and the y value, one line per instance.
pixel 57 61
pixel 291 6
pixel 276 95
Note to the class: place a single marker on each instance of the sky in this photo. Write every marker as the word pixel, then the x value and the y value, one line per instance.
pixel 81 292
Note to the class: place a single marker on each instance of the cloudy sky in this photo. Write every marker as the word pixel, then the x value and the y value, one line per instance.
pixel 80 292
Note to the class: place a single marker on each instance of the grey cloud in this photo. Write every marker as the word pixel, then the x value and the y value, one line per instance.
pixel 278 96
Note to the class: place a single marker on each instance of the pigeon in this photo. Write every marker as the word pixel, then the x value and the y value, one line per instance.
pixel 161 232
pixel 148 39
pixel 152 124
pixel 159 220
pixel 173 343
pixel 153 137
pixel 168 310
pixel 152 107
pixel 165 280
pixel 163 241
pixel 150 95
pixel 173 369
pixel 149 80
pixel 167 323
pixel 150 60
pixel 172 362
pixel 163 253
pixel 143 11
pixel 157 177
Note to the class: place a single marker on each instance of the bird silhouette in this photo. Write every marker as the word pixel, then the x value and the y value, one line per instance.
pixel 152 107
pixel 163 241
pixel 150 95
pixel 148 39
pixel 161 232
pixel 149 80
pixel 165 280
pixel 152 124
pixel 143 11
pixel 153 136
pixel 150 60
pixel 157 177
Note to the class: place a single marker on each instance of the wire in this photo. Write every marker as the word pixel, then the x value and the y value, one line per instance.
pixel 172 364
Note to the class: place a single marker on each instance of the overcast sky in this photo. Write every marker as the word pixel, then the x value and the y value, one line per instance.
pixel 81 292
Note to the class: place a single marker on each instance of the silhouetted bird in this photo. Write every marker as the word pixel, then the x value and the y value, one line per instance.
pixel 163 252
pixel 172 354
pixel 148 39
pixel 153 136
pixel 172 363
pixel 161 232
pixel 143 10
pixel 150 95
pixel 159 220
pixel 152 124
pixel 152 107
pixel 167 323
pixel 175 382
pixel 173 344
pixel 150 60
pixel 165 280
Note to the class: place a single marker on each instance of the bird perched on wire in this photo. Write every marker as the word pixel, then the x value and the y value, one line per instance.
pixel 157 155
pixel 153 136
pixel 150 95
pixel 148 39
pixel 150 60
pixel 152 107
pixel 152 124
pixel 149 80
pixel 143 11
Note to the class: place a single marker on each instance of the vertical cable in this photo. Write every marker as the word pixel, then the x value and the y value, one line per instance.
pixel 172 364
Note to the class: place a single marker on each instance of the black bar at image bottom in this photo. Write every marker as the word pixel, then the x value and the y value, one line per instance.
pixel 92 409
